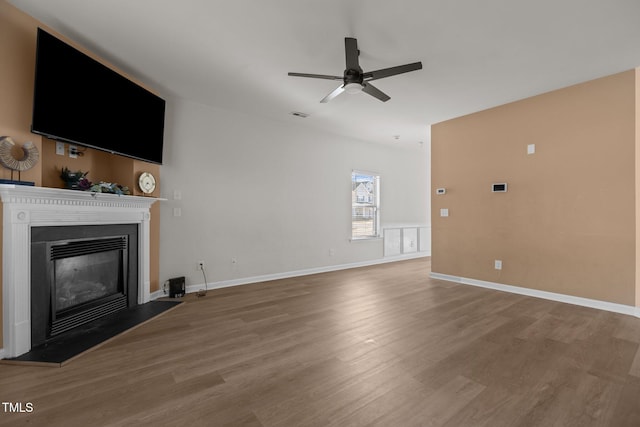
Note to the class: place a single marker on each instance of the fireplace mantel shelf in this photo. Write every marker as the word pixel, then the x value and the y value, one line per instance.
pixel 11 193
pixel 25 207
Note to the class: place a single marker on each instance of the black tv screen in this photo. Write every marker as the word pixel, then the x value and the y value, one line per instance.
pixel 79 100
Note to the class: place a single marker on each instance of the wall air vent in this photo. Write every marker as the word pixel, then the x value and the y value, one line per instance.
pixel 499 188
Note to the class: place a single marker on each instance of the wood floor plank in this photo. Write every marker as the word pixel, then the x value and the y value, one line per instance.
pixel 375 346
pixel 635 365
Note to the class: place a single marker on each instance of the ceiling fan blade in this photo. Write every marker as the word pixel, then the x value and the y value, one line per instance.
pixel 351 53
pixel 392 71
pixel 315 76
pixel 375 92
pixel 337 91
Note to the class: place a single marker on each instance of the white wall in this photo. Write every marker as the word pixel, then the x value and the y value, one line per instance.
pixel 275 196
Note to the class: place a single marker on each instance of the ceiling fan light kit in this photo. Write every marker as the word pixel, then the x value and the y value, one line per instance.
pixel 354 80
pixel 352 88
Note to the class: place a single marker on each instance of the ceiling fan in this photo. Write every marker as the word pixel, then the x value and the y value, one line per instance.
pixel 354 79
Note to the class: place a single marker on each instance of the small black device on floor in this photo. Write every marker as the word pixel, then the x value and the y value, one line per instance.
pixel 176 287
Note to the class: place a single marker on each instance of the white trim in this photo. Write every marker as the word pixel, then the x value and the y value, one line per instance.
pixel 569 299
pixel 25 207
pixel 405 225
pixel 365 239
pixel 295 273
pixel 157 294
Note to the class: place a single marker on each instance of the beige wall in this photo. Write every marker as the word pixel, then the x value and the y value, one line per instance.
pixel 18 53
pixel 567 223
pixel 637 158
pixel 17 50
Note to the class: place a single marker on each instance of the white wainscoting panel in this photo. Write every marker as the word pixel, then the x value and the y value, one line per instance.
pixel 407 239
pixel 424 239
pixel 392 241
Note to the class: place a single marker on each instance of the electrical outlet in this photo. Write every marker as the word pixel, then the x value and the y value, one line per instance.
pixel 200 265
pixel 497 264
pixel 60 148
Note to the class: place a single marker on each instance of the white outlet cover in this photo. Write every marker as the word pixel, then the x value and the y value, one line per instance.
pixel 60 148
pixel 531 149
pixel 444 212
pixel 498 264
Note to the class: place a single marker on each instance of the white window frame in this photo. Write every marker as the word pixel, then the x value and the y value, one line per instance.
pixel 374 206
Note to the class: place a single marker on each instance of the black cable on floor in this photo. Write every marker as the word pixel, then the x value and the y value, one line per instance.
pixel 203 292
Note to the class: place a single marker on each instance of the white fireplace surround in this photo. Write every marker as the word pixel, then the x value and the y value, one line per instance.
pixel 25 207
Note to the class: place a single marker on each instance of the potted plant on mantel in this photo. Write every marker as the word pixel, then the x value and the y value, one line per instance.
pixel 75 180
pixel 78 181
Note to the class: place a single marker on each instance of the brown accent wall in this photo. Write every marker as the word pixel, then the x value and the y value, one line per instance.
pixel 17 50
pixel 567 223
pixel 637 159
pixel 18 53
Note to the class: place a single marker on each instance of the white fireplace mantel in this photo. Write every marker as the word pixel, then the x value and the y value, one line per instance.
pixel 24 207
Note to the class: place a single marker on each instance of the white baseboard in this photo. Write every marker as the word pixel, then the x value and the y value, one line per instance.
pixel 295 273
pixel 569 299
pixel 3 353
pixel 157 294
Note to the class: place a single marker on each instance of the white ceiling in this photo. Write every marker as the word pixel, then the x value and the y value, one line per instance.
pixel 236 54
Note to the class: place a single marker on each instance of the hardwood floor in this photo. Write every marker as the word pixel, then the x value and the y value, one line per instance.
pixel 375 346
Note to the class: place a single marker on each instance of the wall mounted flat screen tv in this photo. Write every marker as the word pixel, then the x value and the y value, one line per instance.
pixel 79 100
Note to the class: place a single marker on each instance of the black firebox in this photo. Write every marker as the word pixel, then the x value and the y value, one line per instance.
pixel 80 274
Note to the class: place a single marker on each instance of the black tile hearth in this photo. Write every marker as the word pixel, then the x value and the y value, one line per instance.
pixel 65 347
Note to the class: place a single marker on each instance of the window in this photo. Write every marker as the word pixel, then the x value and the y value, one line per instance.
pixel 365 204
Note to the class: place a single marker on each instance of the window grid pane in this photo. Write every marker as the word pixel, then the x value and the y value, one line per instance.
pixel 364 205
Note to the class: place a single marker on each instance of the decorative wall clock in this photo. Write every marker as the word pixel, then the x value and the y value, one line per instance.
pixel 147 182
